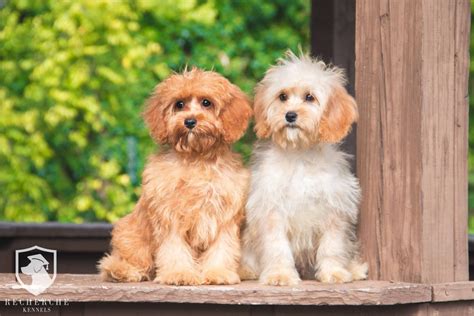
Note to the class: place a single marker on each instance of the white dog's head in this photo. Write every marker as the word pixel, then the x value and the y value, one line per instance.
pixel 302 101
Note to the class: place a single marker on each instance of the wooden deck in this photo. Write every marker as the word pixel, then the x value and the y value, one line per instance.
pixel 89 288
pixel 88 295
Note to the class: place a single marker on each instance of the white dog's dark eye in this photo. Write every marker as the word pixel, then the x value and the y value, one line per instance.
pixel 309 98
pixel 206 103
pixel 179 105
pixel 283 97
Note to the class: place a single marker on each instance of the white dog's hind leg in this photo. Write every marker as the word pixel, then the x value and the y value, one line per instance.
pixel 278 264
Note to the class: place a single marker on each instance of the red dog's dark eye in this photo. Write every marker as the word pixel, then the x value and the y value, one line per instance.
pixel 283 97
pixel 179 105
pixel 309 98
pixel 206 103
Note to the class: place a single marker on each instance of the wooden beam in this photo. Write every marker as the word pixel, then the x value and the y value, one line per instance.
pixel 465 308
pixel 88 295
pixel 453 291
pixel 412 63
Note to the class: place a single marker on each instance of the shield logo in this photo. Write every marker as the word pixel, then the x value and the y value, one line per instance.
pixel 35 268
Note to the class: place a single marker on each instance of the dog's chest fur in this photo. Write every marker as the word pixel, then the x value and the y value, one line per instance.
pixel 197 197
pixel 304 187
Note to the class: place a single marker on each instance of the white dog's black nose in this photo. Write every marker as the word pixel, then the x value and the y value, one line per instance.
pixel 190 123
pixel 291 117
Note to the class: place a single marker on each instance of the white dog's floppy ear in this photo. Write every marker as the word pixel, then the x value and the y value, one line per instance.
pixel 340 113
pixel 262 129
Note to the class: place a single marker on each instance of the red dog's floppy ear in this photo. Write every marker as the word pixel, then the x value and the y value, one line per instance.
pixel 235 115
pixel 262 129
pixel 340 113
pixel 154 115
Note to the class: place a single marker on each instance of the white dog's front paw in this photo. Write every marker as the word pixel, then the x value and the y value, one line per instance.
pixel 280 276
pixel 334 275
pixel 359 270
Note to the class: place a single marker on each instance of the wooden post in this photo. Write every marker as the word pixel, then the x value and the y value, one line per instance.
pixel 412 64
pixel 332 39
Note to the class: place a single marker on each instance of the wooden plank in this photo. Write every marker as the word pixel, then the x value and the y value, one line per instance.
pixel 392 310
pixel 368 56
pixel 87 288
pixel 438 130
pixel 454 291
pixel 465 308
pixel 444 93
pixel 461 129
pixel 385 56
pixel 54 229
pixel 166 309
pixel 411 142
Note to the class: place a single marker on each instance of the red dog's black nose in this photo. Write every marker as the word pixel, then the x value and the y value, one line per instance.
pixel 291 117
pixel 190 123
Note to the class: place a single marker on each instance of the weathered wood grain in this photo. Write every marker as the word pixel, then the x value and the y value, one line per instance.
pixel 87 295
pixel 453 291
pixel 461 129
pixel 444 75
pixel 88 288
pixel 50 229
pixel 465 308
pixel 411 72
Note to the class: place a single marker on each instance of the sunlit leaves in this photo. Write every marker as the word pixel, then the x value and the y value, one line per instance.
pixel 74 75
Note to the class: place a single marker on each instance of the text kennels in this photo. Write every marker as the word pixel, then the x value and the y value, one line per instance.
pixel 37 305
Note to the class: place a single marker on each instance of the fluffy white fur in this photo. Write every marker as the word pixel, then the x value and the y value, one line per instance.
pixel 303 203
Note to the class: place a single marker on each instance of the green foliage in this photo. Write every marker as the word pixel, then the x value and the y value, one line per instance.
pixel 73 78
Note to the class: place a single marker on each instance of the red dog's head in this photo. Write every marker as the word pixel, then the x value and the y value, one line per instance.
pixel 197 111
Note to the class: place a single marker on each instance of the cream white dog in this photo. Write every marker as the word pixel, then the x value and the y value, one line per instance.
pixel 303 202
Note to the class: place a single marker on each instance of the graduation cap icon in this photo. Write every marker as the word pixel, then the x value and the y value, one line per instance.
pixel 38 261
